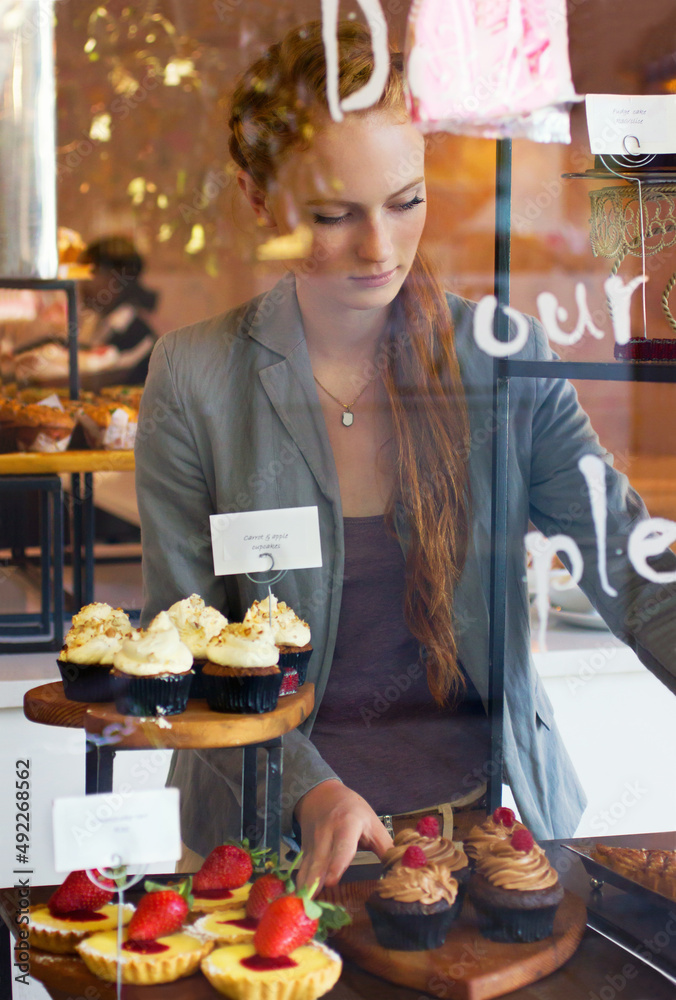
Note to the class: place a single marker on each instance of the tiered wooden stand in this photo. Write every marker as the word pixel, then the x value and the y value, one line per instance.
pixel 197 728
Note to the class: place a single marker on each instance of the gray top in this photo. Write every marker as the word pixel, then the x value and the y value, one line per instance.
pixel 378 725
pixel 230 421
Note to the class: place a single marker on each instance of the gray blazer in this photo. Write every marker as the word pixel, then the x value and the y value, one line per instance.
pixel 231 421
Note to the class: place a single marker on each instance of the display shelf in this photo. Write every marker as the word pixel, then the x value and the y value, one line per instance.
pixel 21 463
pixel 606 371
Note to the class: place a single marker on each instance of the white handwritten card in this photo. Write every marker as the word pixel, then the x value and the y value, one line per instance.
pixel 258 541
pixel 619 124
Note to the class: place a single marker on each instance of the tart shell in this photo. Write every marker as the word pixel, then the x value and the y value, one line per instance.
pixel 270 986
pixel 146 970
pixel 63 941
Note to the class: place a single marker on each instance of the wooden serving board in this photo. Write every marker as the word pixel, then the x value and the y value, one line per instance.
pixel 21 463
pixel 467 966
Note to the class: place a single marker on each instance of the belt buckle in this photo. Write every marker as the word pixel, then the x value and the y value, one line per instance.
pixel 386 820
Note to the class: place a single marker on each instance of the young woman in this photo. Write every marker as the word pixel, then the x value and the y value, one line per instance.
pixel 355 386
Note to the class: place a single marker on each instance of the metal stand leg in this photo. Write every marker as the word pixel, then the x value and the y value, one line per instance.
pixel 98 768
pixel 77 540
pixel 57 511
pixel 88 509
pixel 249 828
pixel 273 798
pixel 5 960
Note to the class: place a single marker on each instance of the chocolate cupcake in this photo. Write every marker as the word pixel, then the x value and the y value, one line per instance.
pixel 413 906
pixel 86 658
pixel 241 672
pixel 153 669
pixel 292 635
pixel 197 624
pixel 515 891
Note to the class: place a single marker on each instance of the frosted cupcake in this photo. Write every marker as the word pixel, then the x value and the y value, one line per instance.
pixel 86 658
pixel 292 635
pixel 413 907
pixel 197 624
pixel 154 669
pixel 241 672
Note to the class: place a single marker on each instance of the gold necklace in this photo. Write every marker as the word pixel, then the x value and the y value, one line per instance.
pixel 347 416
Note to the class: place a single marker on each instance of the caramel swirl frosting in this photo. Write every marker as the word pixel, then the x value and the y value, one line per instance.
pixel 507 868
pixel 482 837
pixel 439 851
pixel 427 885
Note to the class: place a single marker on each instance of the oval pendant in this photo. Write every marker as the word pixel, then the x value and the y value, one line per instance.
pixel 347 418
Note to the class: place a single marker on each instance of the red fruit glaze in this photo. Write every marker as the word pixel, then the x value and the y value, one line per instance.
pixel 263 891
pixel 227 867
pixel 283 927
pixel 414 857
pixel 522 840
pixel 145 947
pixel 504 816
pixel 245 924
pixel 79 893
pixel 257 963
pixel 428 826
pixel 157 913
pixel 81 915
pixel 213 894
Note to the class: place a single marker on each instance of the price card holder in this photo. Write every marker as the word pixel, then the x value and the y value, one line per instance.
pixel 105 831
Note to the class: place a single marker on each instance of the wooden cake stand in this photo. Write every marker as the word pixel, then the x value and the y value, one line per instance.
pixel 197 728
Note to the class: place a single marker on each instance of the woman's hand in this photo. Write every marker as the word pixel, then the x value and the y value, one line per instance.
pixel 334 823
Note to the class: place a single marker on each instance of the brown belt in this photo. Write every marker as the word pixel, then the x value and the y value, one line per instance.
pixel 474 800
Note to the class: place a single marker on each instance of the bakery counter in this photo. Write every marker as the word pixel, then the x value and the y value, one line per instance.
pixel 599 970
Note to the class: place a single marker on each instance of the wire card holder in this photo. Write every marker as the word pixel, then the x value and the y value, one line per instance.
pixel 118 874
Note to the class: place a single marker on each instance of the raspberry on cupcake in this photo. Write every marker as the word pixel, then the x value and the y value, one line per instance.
pixel 514 890
pixel 500 826
pixel 439 850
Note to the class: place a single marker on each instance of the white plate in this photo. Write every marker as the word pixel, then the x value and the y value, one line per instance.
pixel 578 619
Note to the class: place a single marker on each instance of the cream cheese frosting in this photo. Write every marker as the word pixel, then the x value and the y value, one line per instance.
pixel 197 623
pixel 157 650
pixel 507 868
pixel 287 628
pixel 99 612
pixel 439 850
pixel 244 644
pixel 427 885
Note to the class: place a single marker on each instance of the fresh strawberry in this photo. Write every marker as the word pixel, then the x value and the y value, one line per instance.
pixel 271 885
pixel 504 816
pixel 292 920
pixel 162 911
pixel 414 857
pixel 522 840
pixel 78 892
pixel 428 826
pixel 227 867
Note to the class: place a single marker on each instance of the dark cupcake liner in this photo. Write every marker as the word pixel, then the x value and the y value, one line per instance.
pixel 500 923
pixel 297 660
pixel 166 694
pixel 84 682
pixel 399 930
pixel 197 687
pixel 246 694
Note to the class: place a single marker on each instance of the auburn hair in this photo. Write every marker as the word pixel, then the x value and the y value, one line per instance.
pixel 278 105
